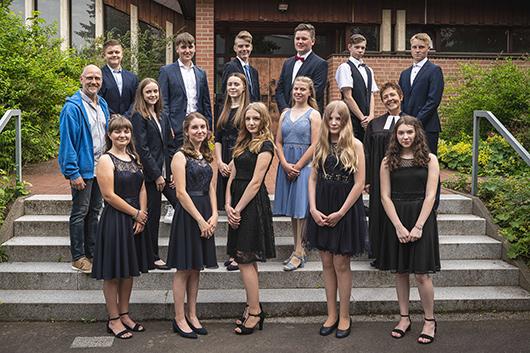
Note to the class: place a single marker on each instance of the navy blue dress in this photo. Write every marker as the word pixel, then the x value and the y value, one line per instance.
pixel 187 249
pixel 119 253
pixel 350 236
pixel 227 138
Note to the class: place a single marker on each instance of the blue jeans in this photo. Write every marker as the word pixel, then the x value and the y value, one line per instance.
pixel 86 204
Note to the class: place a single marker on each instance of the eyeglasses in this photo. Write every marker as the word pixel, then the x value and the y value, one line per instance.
pixel 92 78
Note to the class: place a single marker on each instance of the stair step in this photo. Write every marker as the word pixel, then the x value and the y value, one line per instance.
pixel 60 276
pixel 57 249
pixel 62 204
pixel 43 305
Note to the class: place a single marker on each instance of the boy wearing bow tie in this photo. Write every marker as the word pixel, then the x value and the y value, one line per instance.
pixel 304 63
pixel 119 85
pixel 357 85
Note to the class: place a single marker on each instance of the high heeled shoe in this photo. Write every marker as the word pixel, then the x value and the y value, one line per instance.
pixel 292 266
pixel 343 333
pixel 177 329
pixel 242 318
pixel 119 334
pixel 136 328
pixel 430 338
pixel 199 331
pixel 326 330
pixel 249 330
pixel 401 332
pixel 287 260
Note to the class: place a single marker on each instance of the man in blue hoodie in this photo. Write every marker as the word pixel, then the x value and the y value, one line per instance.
pixel 83 124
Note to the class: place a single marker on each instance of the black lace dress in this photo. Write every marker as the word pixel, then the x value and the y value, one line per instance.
pixel 350 236
pixel 227 138
pixel 187 249
pixel 408 186
pixel 254 239
pixel 119 253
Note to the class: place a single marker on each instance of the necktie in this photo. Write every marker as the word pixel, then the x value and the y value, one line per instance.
pixel 247 74
pixel 299 58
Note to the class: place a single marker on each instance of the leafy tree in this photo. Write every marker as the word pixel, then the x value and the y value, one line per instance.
pixel 502 88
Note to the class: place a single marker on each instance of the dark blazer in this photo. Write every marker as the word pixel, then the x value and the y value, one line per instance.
pixel 175 99
pixel 109 91
pixel 152 146
pixel 423 98
pixel 313 67
pixel 235 66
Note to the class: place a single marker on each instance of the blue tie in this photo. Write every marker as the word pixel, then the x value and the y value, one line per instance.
pixel 247 74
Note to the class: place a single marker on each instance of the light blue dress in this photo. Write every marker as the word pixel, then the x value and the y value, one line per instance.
pixel 290 197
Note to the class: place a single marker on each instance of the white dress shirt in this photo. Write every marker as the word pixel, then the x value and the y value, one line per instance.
pixel 190 82
pixel 415 69
pixel 118 78
pixel 344 76
pixel 298 64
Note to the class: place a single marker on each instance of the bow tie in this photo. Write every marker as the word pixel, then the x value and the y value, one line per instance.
pixel 362 65
pixel 116 72
pixel 298 58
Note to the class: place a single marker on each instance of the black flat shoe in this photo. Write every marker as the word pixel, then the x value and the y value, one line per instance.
pixel 136 328
pixel 430 338
pixel 177 329
pixel 199 331
pixel 119 334
pixel 164 267
pixel 324 331
pixel 343 333
pixel 231 267
pixel 401 332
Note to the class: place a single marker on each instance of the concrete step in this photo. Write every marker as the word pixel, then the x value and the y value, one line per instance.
pixel 62 204
pixel 57 225
pixel 60 276
pixel 43 305
pixel 57 249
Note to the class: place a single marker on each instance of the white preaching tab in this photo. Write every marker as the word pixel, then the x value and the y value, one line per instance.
pixel 389 120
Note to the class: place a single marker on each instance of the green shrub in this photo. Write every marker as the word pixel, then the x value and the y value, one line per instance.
pixel 496 156
pixel 502 88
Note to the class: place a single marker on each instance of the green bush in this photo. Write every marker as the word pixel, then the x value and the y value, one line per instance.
pixel 35 76
pixel 496 156
pixel 502 88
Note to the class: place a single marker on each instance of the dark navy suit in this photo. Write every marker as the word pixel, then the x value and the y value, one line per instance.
pixel 422 99
pixel 119 104
pixel 176 101
pixel 313 67
pixel 154 146
pixel 235 66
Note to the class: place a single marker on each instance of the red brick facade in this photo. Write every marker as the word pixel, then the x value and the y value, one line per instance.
pixel 204 37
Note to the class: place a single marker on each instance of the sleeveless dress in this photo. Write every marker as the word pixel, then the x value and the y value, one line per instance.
pixel 254 239
pixel 227 138
pixel 350 236
pixel 376 140
pixel 119 253
pixel 290 197
pixel 187 249
pixel 422 256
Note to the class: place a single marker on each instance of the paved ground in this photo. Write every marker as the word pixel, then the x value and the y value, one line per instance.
pixel 46 178
pixel 490 332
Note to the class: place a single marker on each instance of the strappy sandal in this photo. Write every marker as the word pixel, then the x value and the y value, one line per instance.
pixel 249 330
pixel 291 267
pixel 430 338
pixel 136 328
pixel 119 334
pixel 401 332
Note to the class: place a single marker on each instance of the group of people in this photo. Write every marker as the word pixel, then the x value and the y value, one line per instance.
pixel 128 143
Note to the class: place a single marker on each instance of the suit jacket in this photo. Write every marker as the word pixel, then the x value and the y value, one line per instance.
pixel 422 99
pixel 175 99
pixel 235 66
pixel 109 91
pixel 153 147
pixel 313 67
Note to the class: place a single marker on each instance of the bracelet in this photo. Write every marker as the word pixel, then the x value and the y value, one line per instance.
pixel 419 228
pixel 137 214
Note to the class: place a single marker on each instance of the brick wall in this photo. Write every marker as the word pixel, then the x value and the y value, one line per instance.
pixel 204 37
pixel 388 68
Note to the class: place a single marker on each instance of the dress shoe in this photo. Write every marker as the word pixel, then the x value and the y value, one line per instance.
pixel 326 330
pixel 176 329
pixel 343 333
pixel 164 267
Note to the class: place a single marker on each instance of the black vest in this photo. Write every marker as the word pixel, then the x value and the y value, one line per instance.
pixel 360 93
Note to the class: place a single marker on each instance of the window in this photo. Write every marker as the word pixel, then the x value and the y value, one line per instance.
pixel 521 40
pixel 371 33
pixel 17 6
pixel 49 11
pixel 83 22
pixel 116 21
pixel 474 39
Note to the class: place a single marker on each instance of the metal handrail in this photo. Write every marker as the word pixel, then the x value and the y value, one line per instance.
pixel 18 140
pixel 477 114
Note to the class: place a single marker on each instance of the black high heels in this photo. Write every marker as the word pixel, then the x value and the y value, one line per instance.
pixel 242 318
pixel 326 330
pixel 136 328
pixel 430 338
pixel 401 332
pixel 119 334
pixel 199 331
pixel 176 329
pixel 249 330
